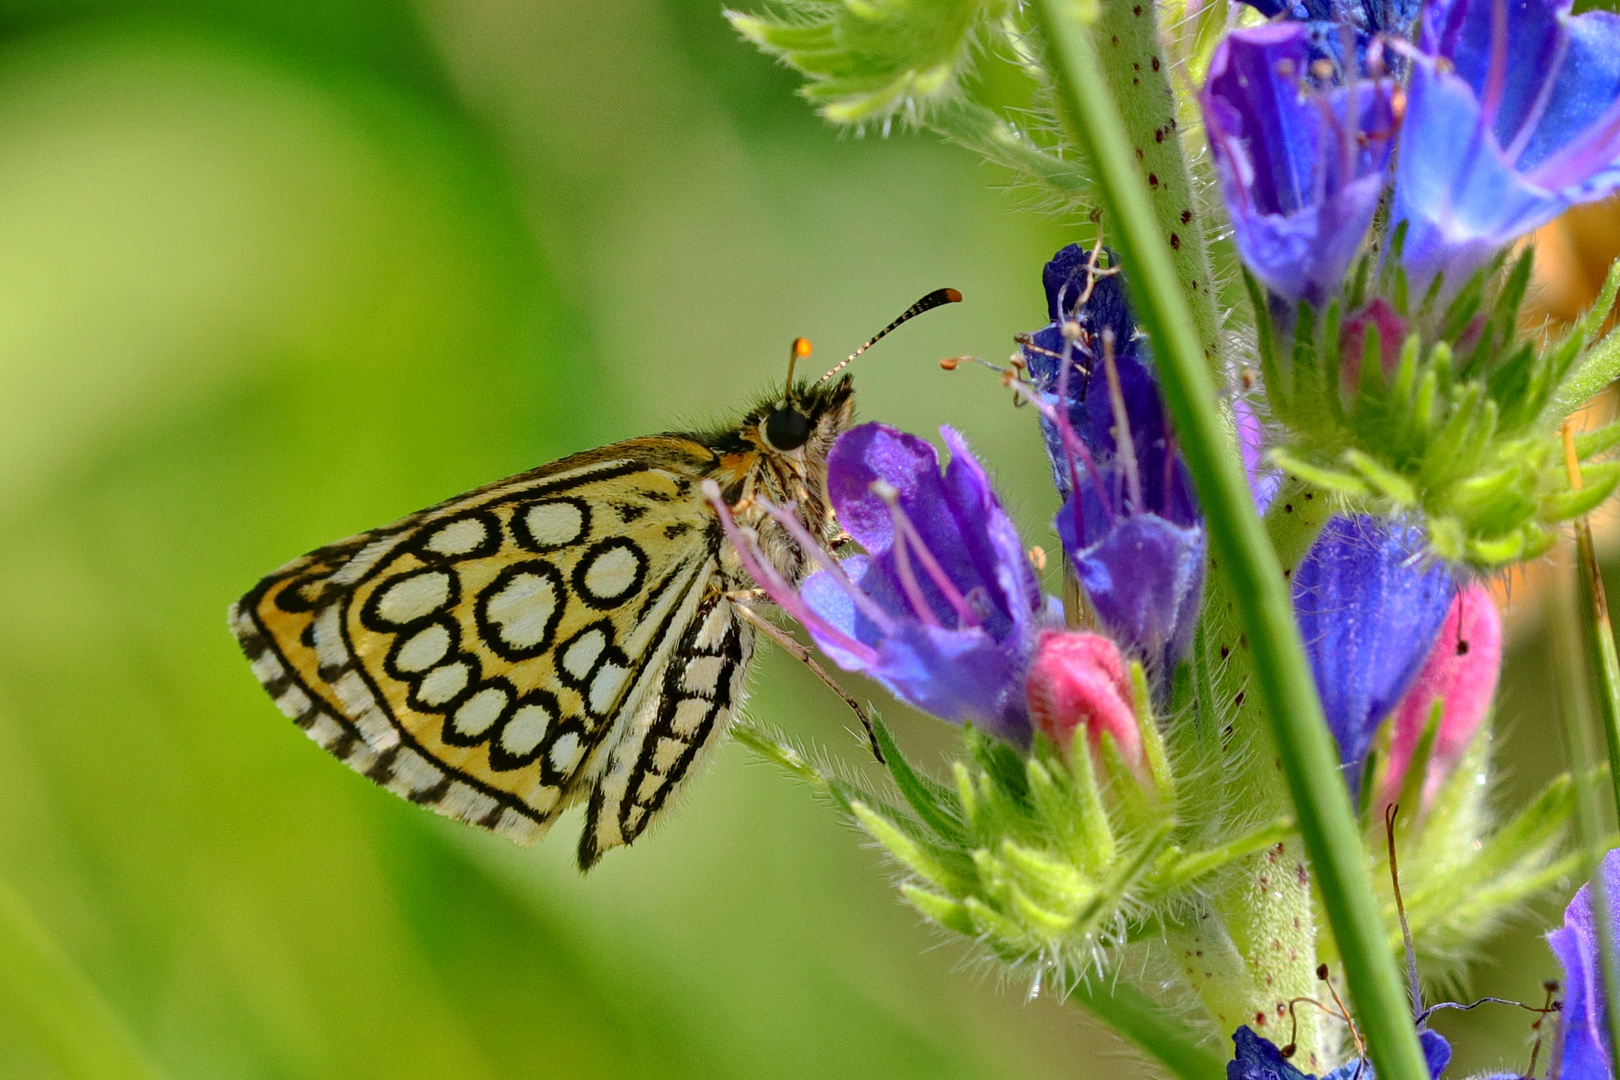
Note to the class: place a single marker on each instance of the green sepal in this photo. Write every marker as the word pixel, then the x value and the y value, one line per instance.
pixel 1598 483
pixel 933 802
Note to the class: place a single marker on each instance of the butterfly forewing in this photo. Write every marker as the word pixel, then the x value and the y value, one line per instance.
pixel 507 653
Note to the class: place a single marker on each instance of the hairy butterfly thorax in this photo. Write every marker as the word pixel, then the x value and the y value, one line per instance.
pixel 571 634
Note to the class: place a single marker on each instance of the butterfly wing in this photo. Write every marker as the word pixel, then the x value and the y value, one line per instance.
pixel 556 636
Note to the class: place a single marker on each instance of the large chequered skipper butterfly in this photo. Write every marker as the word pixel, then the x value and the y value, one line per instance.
pixel 572 633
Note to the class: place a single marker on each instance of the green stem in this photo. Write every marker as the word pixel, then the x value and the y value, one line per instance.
pixel 55 1002
pixel 1308 757
pixel 1140 1019
pixel 1130 52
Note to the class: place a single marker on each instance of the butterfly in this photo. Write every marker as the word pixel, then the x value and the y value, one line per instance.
pixel 571 634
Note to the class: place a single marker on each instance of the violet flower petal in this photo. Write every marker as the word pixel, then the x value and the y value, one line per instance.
pixel 1257 1058
pixel 1584 1025
pixel 1369 607
pixel 1495 145
pixel 1145 577
pixel 1301 170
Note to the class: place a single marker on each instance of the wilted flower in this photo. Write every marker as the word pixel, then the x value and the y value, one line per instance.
pixel 1583 1024
pixel 1079 681
pixel 1513 115
pixel 1257 1058
pixel 1130 523
pixel 1369 607
pixel 944 608
pixel 1460 673
pixel 1302 168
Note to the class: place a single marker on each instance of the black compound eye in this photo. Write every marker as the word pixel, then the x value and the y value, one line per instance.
pixel 787 429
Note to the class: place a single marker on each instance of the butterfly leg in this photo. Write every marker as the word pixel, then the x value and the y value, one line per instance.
pixel 802 654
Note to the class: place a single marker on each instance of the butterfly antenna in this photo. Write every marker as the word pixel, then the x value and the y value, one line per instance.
pixel 937 298
pixel 797 351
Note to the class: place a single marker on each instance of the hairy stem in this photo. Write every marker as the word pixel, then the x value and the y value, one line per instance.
pixel 1131 54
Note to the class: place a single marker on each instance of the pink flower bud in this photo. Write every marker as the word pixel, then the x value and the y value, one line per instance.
pixel 1080 679
pixel 1461 670
pixel 1392 332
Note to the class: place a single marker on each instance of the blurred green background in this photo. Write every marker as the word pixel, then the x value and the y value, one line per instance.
pixel 272 273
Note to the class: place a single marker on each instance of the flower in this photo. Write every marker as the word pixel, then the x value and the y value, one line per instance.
pixel 1302 168
pixel 1079 681
pixel 1460 673
pixel 1130 523
pixel 1583 1029
pixel 1257 1058
pixel 1089 297
pixel 1513 115
pixel 1392 331
pixel 1327 23
pixel 1369 607
pixel 944 608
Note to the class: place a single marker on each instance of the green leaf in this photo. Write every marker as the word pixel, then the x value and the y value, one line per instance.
pixel 869 60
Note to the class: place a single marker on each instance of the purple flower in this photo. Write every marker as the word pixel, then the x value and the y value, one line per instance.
pixel 1070 374
pixel 1302 168
pixel 1143 572
pixel 1583 1029
pixel 944 608
pixel 1130 523
pixel 1328 23
pixel 1369 606
pixel 1513 115
pixel 1257 1058
pixel 1264 480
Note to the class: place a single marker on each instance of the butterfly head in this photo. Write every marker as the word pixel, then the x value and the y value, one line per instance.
pixel 804 424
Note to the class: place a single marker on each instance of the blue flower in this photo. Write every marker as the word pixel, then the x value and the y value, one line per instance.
pixel 944 609
pixel 1257 1058
pixel 1070 374
pixel 1513 115
pixel 1130 523
pixel 1369 606
pixel 1583 1028
pixel 1302 168
pixel 1328 22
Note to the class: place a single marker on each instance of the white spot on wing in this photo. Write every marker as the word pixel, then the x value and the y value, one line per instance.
pixel 554 524
pixel 443 683
pixel 581 655
pixel 702 676
pixel 606 686
pixel 565 752
pixel 423 649
pixel 525 730
pixel 689 716
pixel 479 712
pixel 611 574
pixel 522 609
pixel 667 753
pixel 458 537
pixel 413 597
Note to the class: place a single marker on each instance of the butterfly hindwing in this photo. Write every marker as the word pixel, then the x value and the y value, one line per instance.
pixel 701 689
pixel 499 656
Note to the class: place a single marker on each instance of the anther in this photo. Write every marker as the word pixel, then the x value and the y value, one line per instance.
pixel 950 363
